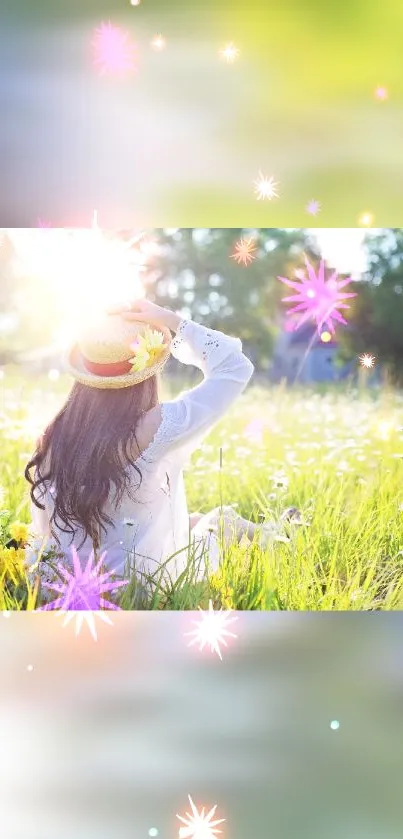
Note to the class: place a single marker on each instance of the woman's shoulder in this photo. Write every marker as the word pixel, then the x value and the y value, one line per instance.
pixel 147 427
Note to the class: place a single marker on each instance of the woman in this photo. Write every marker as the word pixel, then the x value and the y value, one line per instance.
pixel 108 469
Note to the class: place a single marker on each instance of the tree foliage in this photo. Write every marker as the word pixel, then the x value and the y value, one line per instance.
pixel 197 272
pixel 377 311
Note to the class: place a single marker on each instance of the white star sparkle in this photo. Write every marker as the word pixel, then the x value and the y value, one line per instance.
pixel 266 187
pixel 158 42
pixel 367 360
pixel 85 617
pixel 211 629
pixel 198 825
pixel 230 53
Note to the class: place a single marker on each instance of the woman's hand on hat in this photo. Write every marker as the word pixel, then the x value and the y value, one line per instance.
pixel 143 310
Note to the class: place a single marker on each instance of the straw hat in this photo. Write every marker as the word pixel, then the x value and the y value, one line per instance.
pixel 103 356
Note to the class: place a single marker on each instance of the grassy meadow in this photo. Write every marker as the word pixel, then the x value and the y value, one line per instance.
pixel 335 456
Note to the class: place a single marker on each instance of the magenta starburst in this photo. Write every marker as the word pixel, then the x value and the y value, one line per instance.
pixel 318 298
pixel 83 590
pixel 114 51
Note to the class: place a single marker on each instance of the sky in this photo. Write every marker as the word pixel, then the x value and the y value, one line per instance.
pixel 342 247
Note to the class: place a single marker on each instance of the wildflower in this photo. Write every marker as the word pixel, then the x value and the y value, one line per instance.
pixel 19 531
pixel 294 516
pixel 280 480
pixel 12 558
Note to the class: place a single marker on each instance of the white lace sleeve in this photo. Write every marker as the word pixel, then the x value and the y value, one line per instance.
pixel 189 418
pixel 203 347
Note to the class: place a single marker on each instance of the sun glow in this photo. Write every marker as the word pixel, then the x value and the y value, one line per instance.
pixel 79 273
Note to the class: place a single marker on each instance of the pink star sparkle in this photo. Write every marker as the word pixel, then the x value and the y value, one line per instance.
pixel 313 207
pixel 83 590
pixel 113 50
pixel 317 298
pixel 381 92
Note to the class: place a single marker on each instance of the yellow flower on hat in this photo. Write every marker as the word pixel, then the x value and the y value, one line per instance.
pixel 153 340
pixel 154 343
pixel 139 362
pixel 147 348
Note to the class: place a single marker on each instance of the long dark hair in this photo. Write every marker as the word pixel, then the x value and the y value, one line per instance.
pixel 87 448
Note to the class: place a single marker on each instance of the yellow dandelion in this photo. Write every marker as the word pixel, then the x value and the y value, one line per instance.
pixel 19 531
pixel 12 560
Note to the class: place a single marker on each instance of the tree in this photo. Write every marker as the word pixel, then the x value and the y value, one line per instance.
pixel 377 311
pixel 196 272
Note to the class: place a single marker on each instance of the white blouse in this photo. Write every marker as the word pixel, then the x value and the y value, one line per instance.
pixel 148 531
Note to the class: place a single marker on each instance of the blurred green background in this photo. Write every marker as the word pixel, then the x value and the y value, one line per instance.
pixel 108 738
pixel 182 141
